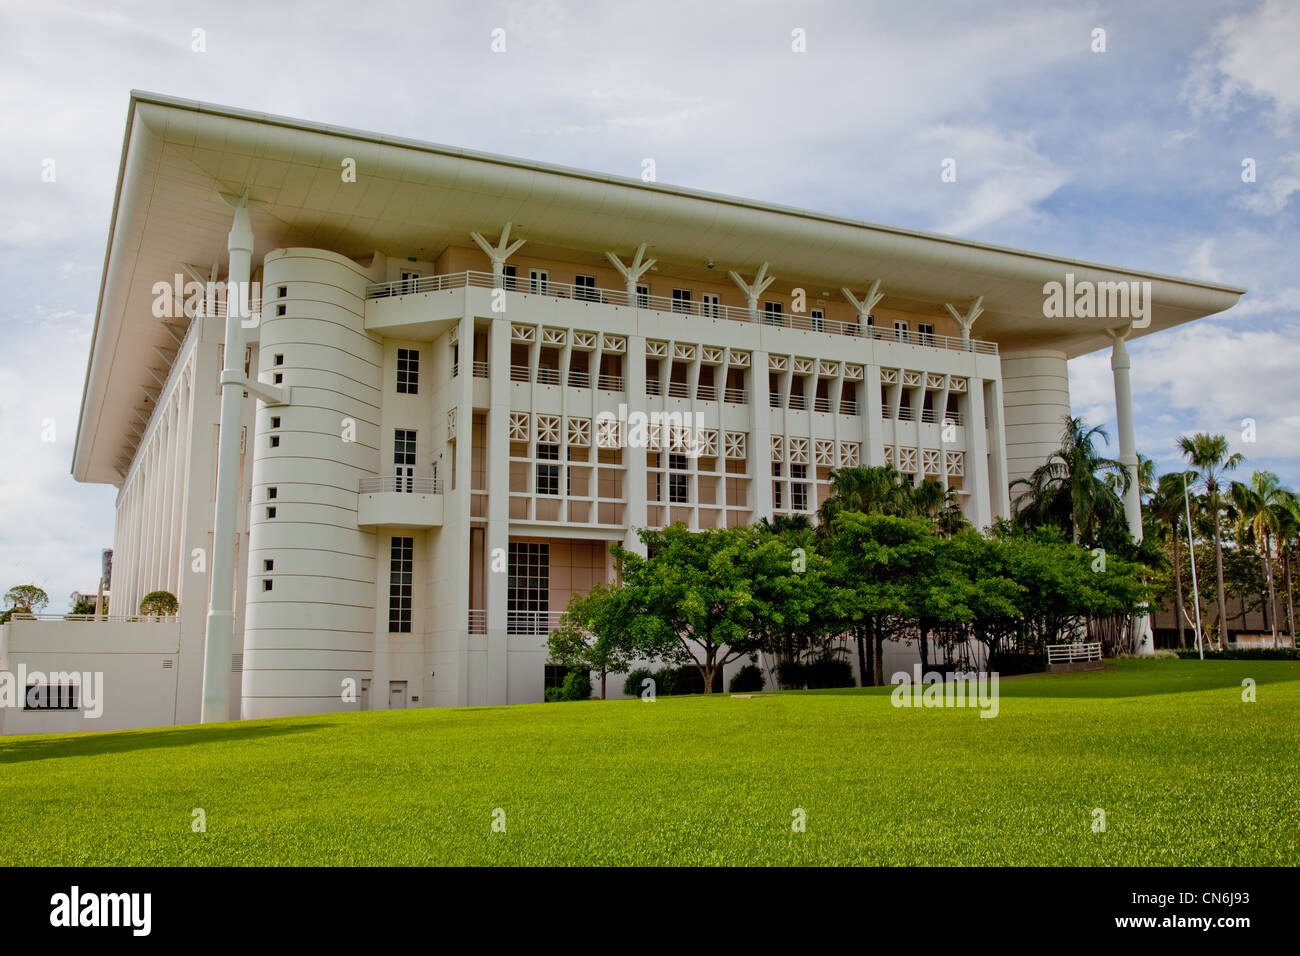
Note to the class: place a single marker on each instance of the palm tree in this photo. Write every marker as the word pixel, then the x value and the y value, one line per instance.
pixel 1258 504
pixel 1208 455
pixel 930 499
pixel 879 488
pixel 1167 511
pixel 1288 537
pixel 1077 489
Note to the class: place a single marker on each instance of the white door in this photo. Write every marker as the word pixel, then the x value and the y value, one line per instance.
pixel 397 695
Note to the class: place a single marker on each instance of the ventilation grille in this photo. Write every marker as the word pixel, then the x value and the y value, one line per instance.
pixel 236 663
pixel 168 664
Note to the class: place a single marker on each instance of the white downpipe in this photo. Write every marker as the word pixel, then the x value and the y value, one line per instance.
pixel 221 610
pixel 1120 366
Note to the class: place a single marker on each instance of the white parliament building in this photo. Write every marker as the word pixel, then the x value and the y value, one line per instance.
pixel 366 399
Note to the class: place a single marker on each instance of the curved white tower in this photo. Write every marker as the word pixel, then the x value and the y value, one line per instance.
pixel 310 614
pixel 1036 396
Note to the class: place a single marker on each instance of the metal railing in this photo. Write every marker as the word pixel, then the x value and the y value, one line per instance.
pixel 378 484
pixel 1073 653
pixel 609 383
pixel 848 406
pixel 652 387
pixel 660 303
pixel 532 622
pixel 578 378
pixel 679 390
pixel 735 396
pixel 706 393
pixel 477 621
pixel 797 401
pixel 91 619
pixel 821 404
pixel 480 369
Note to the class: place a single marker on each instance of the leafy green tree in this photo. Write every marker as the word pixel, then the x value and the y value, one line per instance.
pixel 158 604
pixel 696 594
pixel 1208 455
pixel 24 599
pixel 596 633
pixel 1167 510
pixel 87 606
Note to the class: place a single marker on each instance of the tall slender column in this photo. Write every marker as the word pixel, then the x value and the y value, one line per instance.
pixel 1120 366
pixel 221 612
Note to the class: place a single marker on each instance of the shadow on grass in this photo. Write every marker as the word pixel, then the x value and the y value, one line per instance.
pixel 17 750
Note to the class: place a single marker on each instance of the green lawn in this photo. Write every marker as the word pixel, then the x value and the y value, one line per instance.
pixel 1186 773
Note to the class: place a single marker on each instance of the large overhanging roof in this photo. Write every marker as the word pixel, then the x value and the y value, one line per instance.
pixel 414 199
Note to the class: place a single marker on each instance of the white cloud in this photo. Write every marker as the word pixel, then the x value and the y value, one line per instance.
pixel 1250 54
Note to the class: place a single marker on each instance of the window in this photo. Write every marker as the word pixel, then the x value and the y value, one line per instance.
pixel 410 282
pixel 681 300
pixel 404 459
pixel 401 574
pixel 272 492
pixel 42 696
pixel 279 359
pixel 584 287
pixel 642 296
pixel 553 677
pixel 776 485
pixel 509 277
pixel 678 481
pixel 268 565
pixel 275 441
pixel 266 584
pixel 900 331
pixel 282 291
pixel 711 304
pixel 408 371
pixel 270 512
pixel 798 490
pixel 279 378
pixel 279 310
pixel 539 281
pixel 818 319
pixel 926 333
pixel 528 587
pixel 275 421
pixel 772 313
pixel 548 476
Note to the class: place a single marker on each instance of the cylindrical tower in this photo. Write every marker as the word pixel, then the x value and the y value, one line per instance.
pixel 1036 398
pixel 310 616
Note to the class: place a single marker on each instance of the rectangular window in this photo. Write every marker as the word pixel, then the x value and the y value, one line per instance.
pixel 266 584
pixel 681 300
pixel 642 296
pixel 548 476
pixel 268 565
pixel 926 333
pixel 900 331
pixel 404 459
pixel 401 575
pixel 711 304
pixel 678 482
pixel 772 313
pixel 539 281
pixel 283 291
pixel 44 696
pixel 410 282
pixel 798 490
pixel 818 320
pixel 509 278
pixel 528 587
pixel 279 359
pixel 584 288
pixel 553 676
pixel 408 371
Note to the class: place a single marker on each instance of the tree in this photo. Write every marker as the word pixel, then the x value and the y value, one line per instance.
pixel 792 582
pixel 24 599
pixel 1208 455
pixel 1168 512
pixel 158 604
pixel 595 633
pixel 1077 489
pixel 695 594
pixel 1259 507
pixel 87 606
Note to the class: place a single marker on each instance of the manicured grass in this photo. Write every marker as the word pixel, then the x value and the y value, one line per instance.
pixel 1185 771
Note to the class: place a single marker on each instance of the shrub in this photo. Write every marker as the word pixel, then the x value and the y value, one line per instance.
pixel 829 672
pixel 632 685
pixel 747 680
pixel 1246 654
pixel 158 604
pixel 792 675
pixel 576 686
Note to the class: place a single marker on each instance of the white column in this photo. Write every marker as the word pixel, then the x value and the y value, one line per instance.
pixel 1120 366
pixel 221 613
pixel 636 508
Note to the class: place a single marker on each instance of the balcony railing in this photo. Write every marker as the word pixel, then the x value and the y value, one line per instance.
pixel 735 396
pixel 532 622
pixel 610 383
pixel 652 386
pixel 91 619
pixel 707 310
pixel 848 406
pixel 477 621
pixel 821 404
pixel 480 369
pixel 578 378
pixel 679 390
pixel 379 484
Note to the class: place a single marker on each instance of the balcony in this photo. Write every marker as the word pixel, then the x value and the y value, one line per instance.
pixel 660 303
pixel 389 501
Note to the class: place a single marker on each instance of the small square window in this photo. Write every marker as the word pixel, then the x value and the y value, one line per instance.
pixel 275 421
pixel 266 584
pixel 275 441
pixel 279 378
pixel 279 310
pixel 270 512
pixel 279 359
pixel 283 291
pixel 272 492
pixel 268 565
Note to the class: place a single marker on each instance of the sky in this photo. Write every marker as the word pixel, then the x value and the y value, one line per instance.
pixel 1132 154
